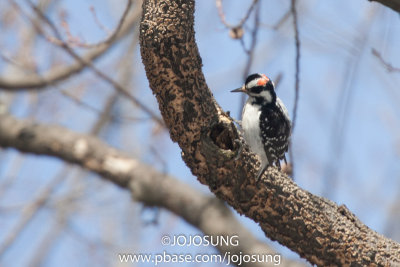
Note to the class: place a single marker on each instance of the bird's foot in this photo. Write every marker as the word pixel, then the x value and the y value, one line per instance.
pixel 261 172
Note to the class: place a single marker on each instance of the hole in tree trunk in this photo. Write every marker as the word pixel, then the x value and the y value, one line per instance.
pixel 222 136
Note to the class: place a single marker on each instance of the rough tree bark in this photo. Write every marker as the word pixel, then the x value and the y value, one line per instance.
pixel 317 229
pixel 393 4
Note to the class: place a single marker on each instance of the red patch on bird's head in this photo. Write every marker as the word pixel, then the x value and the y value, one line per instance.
pixel 265 76
pixel 263 81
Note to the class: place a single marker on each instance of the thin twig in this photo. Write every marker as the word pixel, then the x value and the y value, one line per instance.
pixel 60 73
pixel 237 33
pixel 89 107
pixel 389 67
pixel 250 51
pixel 221 14
pixel 297 76
pixel 89 64
pixel 98 22
pixel 344 105
pixel 75 41
pixel 31 209
pixel 282 20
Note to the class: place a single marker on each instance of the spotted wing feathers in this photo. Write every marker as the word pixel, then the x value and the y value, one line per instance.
pixel 275 133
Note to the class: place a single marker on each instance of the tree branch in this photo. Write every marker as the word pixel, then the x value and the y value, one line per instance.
pixel 58 74
pixel 147 185
pixel 317 229
pixel 393 4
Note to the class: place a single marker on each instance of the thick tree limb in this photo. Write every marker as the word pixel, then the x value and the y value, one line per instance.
pixel 393 4
pixel 317 229
pixel 147 185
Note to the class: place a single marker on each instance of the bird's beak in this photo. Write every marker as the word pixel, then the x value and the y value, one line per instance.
pixel 241 89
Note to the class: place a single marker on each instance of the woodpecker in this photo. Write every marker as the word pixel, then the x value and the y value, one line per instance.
pixel 265 121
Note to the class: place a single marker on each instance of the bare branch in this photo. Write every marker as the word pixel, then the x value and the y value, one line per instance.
pixel 387 65
pixel 221 14
pixel 297 64
pixel 30 211
pixel 57 74
pixel 146 184
pixel 393 4
pixel 317 229
pixel 250 51
pixel 293 10
pixel 74 41
pixel 121 89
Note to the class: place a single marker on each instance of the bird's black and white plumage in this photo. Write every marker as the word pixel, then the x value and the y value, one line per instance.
pixel 265 121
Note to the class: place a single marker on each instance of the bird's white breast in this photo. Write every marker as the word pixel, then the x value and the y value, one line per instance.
pixel 251 129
